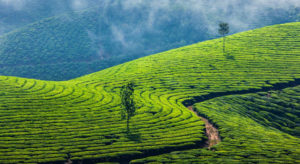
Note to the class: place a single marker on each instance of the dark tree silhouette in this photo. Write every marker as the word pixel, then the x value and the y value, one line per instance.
pixel 128 105
pixel 223 30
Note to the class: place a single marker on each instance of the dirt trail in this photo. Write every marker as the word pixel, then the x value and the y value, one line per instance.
pixel 211 132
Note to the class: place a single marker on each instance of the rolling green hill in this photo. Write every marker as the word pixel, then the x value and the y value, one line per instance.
pixel 78 43
pixel 58 43
pixel 47 121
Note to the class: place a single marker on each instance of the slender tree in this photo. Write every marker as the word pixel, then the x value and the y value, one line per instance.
pixel 223 30
pixel 127 102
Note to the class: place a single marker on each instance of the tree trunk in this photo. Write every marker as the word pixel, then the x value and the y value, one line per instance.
pixel 223 44
pixel 127 124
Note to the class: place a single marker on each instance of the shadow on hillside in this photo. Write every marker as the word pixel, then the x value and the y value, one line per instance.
pixel 134 136
pixel 230 57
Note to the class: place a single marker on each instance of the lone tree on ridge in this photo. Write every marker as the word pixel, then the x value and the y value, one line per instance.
pixel 127 103
pixel 223 30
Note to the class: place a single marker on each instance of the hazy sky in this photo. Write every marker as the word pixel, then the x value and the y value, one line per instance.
pixel 239 13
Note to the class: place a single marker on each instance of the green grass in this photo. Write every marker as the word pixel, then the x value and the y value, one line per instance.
pixel 252 128
pixel 43 121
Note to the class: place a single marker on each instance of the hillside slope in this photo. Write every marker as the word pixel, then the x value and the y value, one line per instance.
pixel 15 14
pixel 47 121
pixel 79 43
pixel 246 123
pixel 112 32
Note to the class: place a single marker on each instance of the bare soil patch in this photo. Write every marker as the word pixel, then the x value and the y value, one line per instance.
pixel 211 131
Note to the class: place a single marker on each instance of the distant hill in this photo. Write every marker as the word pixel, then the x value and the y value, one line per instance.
pixel 78 43
pixel 62 43
pixel 15 14
pixel 251 94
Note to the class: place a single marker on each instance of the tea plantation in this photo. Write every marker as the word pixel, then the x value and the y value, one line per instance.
pixel 79 119
pixel 252 128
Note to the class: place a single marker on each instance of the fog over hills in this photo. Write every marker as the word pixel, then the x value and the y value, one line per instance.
pixel 241 14
pixel 64 39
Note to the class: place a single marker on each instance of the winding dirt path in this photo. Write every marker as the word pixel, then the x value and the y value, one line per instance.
pixel 211 131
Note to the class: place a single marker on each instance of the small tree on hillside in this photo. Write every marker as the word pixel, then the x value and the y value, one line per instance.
pixel 223 30
pixel 128 105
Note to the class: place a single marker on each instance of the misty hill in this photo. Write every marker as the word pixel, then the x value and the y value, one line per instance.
pixel 76 43
pixel 47 121
pixel 17 13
